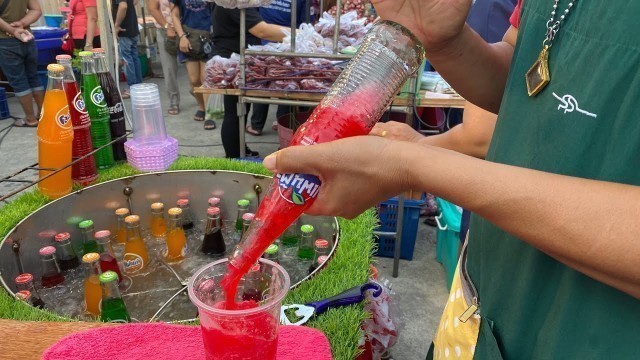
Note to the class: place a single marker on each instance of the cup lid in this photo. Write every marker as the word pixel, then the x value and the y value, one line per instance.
pixel 122 212
pixel 243 202
pixel 322 259
pixel 103 234
pixel 272 249
pixel 321 244
pixel 85 224
pixel 248 216
pixel 23 295
pixel 183 202
pixel 47 250
pixel 62 236
pixel 132 219
pixel 214 201
pixel 175 211
pixel 307 229
pixel 23 278
pixel 157 206
pixel 213 211
pixel 90 258
pixel 108 276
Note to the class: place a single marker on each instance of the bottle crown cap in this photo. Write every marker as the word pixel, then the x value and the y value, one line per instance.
pixel 85 53
pixel 272 249
pixel 322 259
pixel 47 234
pixel 321 244
pixel 307 229
pixel 23 295
pixel 214 201
pixel 62 236
pixel 108 276
pixel 47 250
pixel 175 211
pixel 24 278
pixel 183 202
pixel 132 219
pixel 56 68
pixel 248 216
pixel 90 258
pixel 157 206
pixel 98 51
pixel 63 57
pixel 213 211
pixel 122 212
pixel 243 202
pixel 85 224
pixel 102 234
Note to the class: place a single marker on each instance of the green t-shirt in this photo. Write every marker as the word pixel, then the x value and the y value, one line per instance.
pixel 15 10
pixel 585 123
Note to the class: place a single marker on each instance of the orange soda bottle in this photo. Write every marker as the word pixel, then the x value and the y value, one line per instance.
pixel 136 257
pixel 55 136
pixel 176 239
pixel 92 288
pixel 158 224
pixel 121 226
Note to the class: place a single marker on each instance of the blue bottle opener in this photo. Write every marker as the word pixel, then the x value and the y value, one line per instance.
pixel 352 296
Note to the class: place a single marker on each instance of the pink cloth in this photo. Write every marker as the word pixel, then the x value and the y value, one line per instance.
pixel 79 22
pixel 163 341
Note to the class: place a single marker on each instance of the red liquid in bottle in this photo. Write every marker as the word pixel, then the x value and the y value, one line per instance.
pixel 51 280
pixel 83 172
pixel 108 262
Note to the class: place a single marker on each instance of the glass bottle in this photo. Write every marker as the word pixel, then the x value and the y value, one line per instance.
pixel 114 103
pixel 24 295
pixel 252 284
pixel 25 282
pixel 272 253
pixel 213 242
pixel 321 248
pixel 214 202
pixel 158 223
pixel 92 287
pixel 113 308
pixel 51 275
pixel 67 258
pixel 89 244
pixel 243 207
pixel 291 236
pixel 318 263
pixel 247 218
pixel 187 217
pixel 136 257
pixel 121 226
pixel 305 246
pixel 176 238
pixel 108 259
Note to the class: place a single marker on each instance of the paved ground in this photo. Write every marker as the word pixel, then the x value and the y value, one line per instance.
pixel 421 291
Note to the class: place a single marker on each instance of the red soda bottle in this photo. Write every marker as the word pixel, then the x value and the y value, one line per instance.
pixel 83 172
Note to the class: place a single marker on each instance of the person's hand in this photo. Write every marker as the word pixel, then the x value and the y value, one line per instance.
pixel 119 30
pixel 434 22
pixel 22 35
pixel 185 45
pixel 18 24
pixel 394 130
pixel 356 172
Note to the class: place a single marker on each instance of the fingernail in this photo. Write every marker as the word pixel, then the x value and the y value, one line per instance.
pixel 270 162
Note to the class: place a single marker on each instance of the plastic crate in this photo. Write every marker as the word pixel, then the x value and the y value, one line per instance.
pixel 4 104
pixel 53 20
pixel 388 214
pixel 448 245
pixel 49 44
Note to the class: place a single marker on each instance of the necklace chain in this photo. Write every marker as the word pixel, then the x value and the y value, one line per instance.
pixel 553 25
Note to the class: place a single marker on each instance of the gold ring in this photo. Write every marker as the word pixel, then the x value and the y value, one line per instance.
pixel 383 133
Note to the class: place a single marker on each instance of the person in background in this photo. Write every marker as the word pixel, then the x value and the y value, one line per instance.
pixel 84 24
pixel 19 55
pixel 167 46
pixel 226 41
pixel 126 24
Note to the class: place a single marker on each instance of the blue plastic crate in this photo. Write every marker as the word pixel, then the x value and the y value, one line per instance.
pixel 48 49
pixel 388 214
pixel 4 104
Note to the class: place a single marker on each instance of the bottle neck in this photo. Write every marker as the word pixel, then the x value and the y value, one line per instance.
pixel 213 224
pixel 307 239
pixel 100 63
pixel 55 81
pixel 241 211
pixel 121 223
pixel 88 66
pixel 26 286
pixel 87 234
pixel 133 232
pixel 110 290
pixel 174 222
pixel 64 249
pixel 92 269
pixel 49 265
pixel 104 246
pixel 68 74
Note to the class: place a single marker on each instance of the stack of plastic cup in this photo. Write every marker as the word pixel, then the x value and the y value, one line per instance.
pixel 150 149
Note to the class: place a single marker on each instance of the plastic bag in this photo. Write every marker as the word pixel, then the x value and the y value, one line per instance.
pixel 220 72
pixel 383 326
pixel 215 107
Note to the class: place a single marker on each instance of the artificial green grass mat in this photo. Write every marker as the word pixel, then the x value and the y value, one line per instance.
pixel 348 268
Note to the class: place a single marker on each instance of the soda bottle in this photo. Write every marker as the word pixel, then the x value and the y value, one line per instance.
pixel 318 263
pixel 321 248
pixel 51 275
pixel 55 137
pixel 216 202
pixel 98 111
pixel 305 246
pixel 213 242
pixel 92 287
pixel 108 261
pixel 135 251
pixel 121 226
pixel 24 295
pixel 187 217
pixel 290 237
pixel 158 223
pixel 114 103
pixel 176 239
pixel 243 207
pixel 67 258
pixel 253 284
pixel 83 172
pixel 112 308
pixel 247 218
pixel 25 282
pixel 272 253
pixel 89 243
pixel 355 102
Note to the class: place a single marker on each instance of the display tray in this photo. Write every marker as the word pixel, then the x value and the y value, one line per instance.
pixel 147 294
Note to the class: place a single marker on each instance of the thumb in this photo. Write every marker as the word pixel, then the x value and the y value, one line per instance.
pixel 294 159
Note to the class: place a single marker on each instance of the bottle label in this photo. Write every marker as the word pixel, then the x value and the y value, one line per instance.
pixel 116 109
pixel 133 262
pixel 63 117
pixel 298 188
pixel 97 97
pixel 78 103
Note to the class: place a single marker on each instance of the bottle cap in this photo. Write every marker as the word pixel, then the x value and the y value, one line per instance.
pixel 56 68
pixel 85 53
pixel 214 201
pixel 182 194
pixel 248 216
pixel 322 259
pixel 63 57
pixel 62 236
pixel 47 234
pixel 23 295
pixel 98 51
pixel 157 206
pixel 213 211
pixel 175 211
pixel 24 278
pixel 307 229
pixel 85 224
pixel 183 202
pixel 255 267
pixel 243 202
pixel 90 258
pixel 132 219
pixel 108 276
pixel 102 234
pixel 122 212
pixel 321 244
pixel 47 250
pixel 272 249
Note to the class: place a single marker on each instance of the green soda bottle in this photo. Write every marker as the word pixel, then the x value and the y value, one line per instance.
pixel 89 244
pixel 305 246
pixel 243 207
pixel 112 308
pixel 98 111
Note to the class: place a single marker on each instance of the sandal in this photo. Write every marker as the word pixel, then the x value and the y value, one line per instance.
pixel 253 131
pixel 125 94
pixel 199 116
pixel 24 124
pixel 209 124
pixel 174 110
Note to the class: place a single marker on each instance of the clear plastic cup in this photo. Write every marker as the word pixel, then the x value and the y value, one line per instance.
pixel 246 333
pixel 148 121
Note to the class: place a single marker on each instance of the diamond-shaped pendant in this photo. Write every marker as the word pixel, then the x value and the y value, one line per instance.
pixel 538 75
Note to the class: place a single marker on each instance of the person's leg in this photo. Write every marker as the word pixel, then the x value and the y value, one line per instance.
pixel 258 119
pixel 169 69
pixel 31 70
pixel 125 54
pixel 193 71
pixel 230 132
pixel 14 54
pixel 203 74
pixel 136 60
